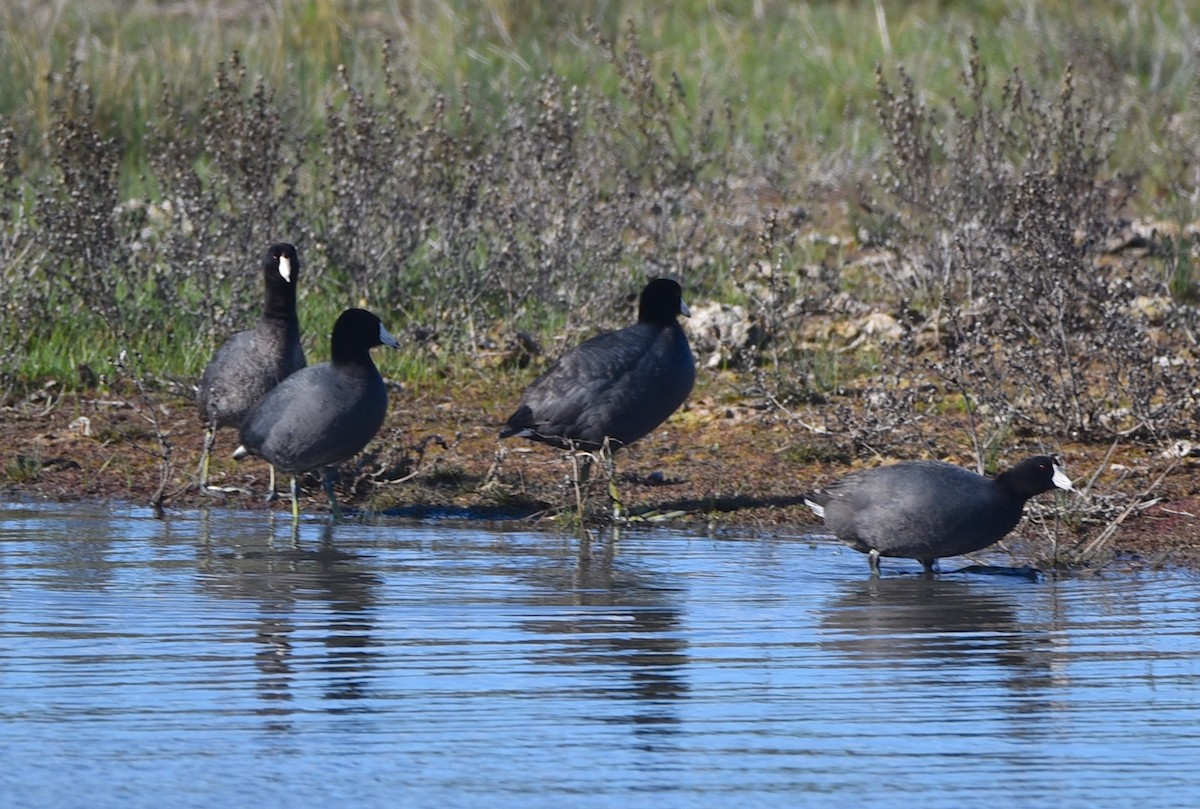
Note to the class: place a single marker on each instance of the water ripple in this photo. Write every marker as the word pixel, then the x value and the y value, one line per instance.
pixel 218 657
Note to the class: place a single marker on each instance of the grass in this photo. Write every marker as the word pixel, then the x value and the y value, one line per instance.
pixel 22 469
pixel 802 68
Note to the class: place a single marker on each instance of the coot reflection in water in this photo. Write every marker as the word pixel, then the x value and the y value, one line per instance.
pixel 916 620
pixel 605 615
pixel 288 582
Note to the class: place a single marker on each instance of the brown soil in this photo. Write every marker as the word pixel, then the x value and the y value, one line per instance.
pixel 736 466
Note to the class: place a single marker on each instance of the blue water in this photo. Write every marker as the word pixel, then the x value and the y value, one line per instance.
pixel 215 658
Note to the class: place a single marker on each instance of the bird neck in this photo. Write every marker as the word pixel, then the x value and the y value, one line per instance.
pixel 657 320
pixel 357 358
pixel 281 304
pixel 1011 484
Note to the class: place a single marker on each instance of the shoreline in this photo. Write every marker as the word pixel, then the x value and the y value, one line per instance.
pixel 728 467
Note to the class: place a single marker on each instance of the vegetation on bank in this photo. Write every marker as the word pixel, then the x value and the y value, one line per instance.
pixel 928 213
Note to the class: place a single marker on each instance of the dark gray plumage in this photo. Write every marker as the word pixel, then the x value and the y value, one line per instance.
pixel 619 385
pixel 326 413
pixel 252 362
pixel 928 509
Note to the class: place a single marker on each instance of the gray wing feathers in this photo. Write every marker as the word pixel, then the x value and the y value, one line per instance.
pixel 619 384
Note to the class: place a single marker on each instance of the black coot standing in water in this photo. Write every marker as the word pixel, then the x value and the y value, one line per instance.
pixel 927 510
pixel 615 388
pixel 326 413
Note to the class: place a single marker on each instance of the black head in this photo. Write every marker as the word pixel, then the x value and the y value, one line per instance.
pixel 355 333
pixel 1032 476
pixel 281 264
pixel 661 302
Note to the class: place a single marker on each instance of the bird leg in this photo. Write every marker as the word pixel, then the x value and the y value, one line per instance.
pixel 873 559
pixel 607 458
pixel 272 495
pixel 327 480
pixel 295 501
pixel 580 473
pixel 210 438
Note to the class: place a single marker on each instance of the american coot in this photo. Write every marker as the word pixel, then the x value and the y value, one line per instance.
pixel 928 509
pixel 326 413
pixel 252 362
pixel 616 387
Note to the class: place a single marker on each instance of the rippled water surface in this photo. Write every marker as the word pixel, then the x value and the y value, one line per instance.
pixel 215 660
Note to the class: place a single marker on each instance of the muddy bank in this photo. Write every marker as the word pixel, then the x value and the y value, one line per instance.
pixel 740 465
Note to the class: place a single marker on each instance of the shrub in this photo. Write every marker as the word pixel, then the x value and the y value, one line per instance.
pixel 1004 217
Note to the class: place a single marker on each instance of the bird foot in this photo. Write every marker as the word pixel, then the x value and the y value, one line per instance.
pixel 217 491
pixel 649 516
